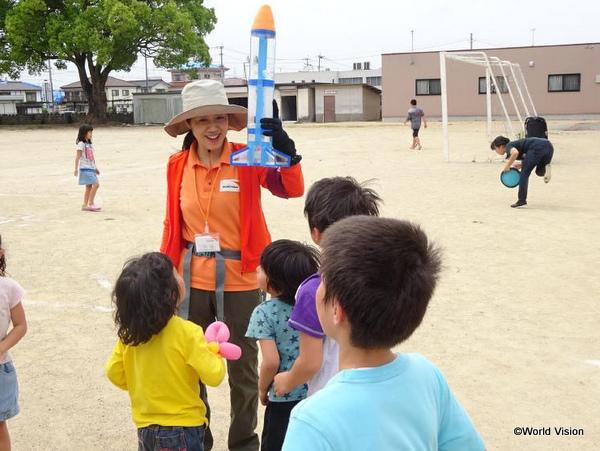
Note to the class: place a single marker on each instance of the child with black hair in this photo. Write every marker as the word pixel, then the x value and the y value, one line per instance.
pixel 11 311
pixel 284 264
pixel 415 116
pixel 378 276
pixel 327 201
pixel 525 154
pixel 160 358
pixel 85 166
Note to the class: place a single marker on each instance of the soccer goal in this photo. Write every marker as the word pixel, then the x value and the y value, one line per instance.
pixel 501 77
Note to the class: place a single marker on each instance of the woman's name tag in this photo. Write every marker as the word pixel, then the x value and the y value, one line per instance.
pixel 207 242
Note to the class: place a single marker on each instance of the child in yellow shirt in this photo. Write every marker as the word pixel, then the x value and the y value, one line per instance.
pixel 160 358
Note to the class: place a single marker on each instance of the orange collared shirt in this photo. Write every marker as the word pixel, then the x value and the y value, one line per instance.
pixel 223 218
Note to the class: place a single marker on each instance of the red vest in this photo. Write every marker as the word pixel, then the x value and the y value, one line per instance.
pixel 255 234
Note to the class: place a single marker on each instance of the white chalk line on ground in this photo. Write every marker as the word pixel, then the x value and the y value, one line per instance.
pixel 102 281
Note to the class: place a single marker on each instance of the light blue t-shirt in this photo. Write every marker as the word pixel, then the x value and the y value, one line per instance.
pixel 403 405
pixel 269 321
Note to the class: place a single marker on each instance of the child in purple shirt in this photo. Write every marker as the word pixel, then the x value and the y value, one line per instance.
pixel 327 201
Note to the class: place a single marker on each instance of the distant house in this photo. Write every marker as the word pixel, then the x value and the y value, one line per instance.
pixel 154 85
pixel 181 76
pixel 119 93
pixel 17 97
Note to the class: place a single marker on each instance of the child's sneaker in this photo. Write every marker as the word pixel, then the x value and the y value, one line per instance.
pixel 548 174
pixel 94 208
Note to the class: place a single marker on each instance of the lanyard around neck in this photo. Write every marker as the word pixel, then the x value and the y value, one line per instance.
pixel 206 214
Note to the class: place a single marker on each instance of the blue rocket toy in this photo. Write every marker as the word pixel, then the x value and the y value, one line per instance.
pixel 259 151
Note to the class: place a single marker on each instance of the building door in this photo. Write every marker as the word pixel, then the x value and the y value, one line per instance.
pixel 329 109
pixel 288 108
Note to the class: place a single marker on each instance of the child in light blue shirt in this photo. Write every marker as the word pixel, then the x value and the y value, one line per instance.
pixel 377 277
pixel 284 264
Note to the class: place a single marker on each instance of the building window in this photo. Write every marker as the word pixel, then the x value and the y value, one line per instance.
pixel 351 81
pixel 206 76
pixel 356 66
pixel 374 81
pixel 178 77
pixel 115 93
pixel 30 97
pixel 500 81
pixel 125 92
pixel 366 65
pixel 428 87
pixel 564 83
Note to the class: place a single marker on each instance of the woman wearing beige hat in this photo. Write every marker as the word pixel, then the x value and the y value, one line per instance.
pixel 215 232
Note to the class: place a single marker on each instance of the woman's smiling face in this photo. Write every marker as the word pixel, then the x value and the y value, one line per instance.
pixel 210 131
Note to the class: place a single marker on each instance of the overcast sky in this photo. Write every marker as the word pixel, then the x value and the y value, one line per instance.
pixel 344 31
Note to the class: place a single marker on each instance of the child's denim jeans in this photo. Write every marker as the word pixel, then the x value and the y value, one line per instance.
pixel 171 438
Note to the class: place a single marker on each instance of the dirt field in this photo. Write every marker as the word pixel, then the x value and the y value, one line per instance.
pixel 514 324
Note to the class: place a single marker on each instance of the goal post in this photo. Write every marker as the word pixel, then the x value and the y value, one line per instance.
pixel 492 65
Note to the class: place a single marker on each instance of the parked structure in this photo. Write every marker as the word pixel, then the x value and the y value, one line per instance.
pixel 17 97
pixel 562 79
pixel 304 102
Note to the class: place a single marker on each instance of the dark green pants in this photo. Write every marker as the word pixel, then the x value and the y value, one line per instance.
pixel 243 373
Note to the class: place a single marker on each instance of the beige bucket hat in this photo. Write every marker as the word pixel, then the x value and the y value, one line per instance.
pixel 206 97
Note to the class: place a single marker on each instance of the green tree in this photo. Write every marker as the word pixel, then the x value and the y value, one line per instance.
pixel 100 36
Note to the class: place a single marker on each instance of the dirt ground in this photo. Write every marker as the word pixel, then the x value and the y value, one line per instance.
pixel 514 323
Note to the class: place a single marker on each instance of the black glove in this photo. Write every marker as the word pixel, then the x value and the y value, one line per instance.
pixel 281 141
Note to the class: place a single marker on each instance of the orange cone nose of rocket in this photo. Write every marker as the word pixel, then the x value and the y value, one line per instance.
pixel 264 19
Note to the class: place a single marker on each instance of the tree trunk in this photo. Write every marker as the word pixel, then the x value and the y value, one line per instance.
pixel 93 89
pixel 97 102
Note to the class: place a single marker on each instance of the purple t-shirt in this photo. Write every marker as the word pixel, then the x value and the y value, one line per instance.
pixel 305 320
pixel 304 316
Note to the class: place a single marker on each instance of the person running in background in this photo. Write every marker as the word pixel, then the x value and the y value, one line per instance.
pixel 415 115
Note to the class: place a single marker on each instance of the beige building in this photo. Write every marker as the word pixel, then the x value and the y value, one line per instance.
pixel 562 80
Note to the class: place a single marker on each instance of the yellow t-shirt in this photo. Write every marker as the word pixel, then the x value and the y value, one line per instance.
pixel 162 375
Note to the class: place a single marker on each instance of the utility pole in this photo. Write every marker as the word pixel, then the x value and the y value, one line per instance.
pixel 221 55
pixel 51 86
pixel 412 40
pixel 319 64
pixel 471 40
pixel 533 37
pixel 146 66
pixel 307 65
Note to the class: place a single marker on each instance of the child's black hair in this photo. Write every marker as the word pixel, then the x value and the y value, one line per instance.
pixel 145 296
pixel 287 264
pixel 2 261
pixel 499 141
pixel 383 273
pixel 330 199
pixel 413 102
pixel 83 131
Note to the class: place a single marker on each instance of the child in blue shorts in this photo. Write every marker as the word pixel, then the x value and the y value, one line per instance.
pixel 283 265
pixel 11 312
pixel 377 277
pixel 85 167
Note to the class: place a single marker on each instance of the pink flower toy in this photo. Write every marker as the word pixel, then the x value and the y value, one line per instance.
pixel 217 336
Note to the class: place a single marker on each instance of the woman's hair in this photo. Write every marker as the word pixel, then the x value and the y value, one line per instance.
pixel 83 131
pixel 287 264
pixel 2 260
pixel 145 296
pixel 188 140
pixel 499 141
